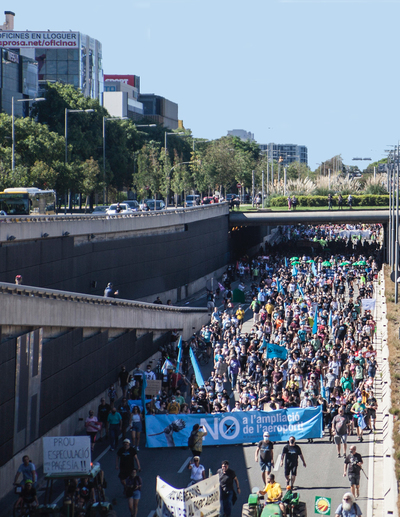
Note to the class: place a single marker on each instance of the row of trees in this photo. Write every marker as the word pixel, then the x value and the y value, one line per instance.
pixel 135 156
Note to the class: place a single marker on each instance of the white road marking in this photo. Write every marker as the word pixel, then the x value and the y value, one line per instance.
pixel 277 463
pixel 185 464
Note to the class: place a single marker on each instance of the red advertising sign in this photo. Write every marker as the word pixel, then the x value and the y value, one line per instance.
pixel 127 79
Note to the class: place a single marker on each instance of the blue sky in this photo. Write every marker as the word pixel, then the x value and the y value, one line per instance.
pixel 320 73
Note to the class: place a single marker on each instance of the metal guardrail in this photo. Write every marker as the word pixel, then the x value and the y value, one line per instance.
pixel 18 290
pixel 85 217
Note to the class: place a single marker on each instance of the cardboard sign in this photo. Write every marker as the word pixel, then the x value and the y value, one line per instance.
pixel 153 388
pixel 66 455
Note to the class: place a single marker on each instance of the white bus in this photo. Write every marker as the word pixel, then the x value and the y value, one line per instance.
pixel 28 201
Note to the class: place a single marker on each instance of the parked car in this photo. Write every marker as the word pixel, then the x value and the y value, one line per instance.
pixel 123 209
pixel 149 205
pixel 100 210
pixel 192 200
pixel 209 200
pixel 132 203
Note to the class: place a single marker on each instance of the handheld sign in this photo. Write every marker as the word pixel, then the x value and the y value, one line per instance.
pixel 66 455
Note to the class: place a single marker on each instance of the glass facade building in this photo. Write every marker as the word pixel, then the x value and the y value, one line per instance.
pixel 287 153
pixel 82 67
pixel 18 79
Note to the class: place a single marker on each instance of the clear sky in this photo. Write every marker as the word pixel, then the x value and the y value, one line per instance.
pixel 320 73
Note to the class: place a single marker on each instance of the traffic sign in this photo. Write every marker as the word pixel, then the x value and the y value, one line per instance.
pixel 239 185
pixel 322 505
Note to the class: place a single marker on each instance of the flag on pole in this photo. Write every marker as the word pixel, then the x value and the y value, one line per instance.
pixel 315 325
pixel 313 269
pixel 285 262
pixel 178 362
pixel 196 369
pixel 167 365
pixel 300 290
pixel 330 319
pixel 294 271
pixel 275 351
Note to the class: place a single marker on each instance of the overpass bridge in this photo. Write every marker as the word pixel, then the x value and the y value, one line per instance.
pixel 270 218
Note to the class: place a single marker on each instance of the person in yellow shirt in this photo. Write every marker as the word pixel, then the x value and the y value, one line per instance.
pixel 274 493
pixel 240 316
pixel 173 407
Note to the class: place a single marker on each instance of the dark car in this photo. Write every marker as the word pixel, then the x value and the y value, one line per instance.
pixel 209 200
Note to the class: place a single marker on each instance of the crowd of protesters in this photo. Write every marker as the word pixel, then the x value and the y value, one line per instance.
pixel 334 366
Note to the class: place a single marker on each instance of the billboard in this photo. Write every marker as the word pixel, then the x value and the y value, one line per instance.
pixel 132 80
pixel 16 39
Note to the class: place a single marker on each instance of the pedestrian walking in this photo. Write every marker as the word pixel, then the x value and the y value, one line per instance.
pixel 330 199
pixel 227 477
pixel 92 427
pixel 197 471
pixel 103 411
pixel 114 420
pixel 133 487
pixel 265 450
pixel 291 454
pixel 125 461
pixel 352 468
pixel 340 202
pixel 348 507
pixel 339 430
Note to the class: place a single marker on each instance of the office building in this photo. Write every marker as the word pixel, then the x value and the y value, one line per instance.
pixel 286 153
pixel 68 57
pixel 242 134
pixel 120 97
pixel 160 110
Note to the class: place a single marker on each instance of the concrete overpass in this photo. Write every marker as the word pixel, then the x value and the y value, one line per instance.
pixel 269 218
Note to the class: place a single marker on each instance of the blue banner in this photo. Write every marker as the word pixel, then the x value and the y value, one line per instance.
pixel 294 271
pixel 196 369
pixel 313 269
pixel 276 351
pixel 235 428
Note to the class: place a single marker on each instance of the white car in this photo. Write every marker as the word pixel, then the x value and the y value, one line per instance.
pixel 119 208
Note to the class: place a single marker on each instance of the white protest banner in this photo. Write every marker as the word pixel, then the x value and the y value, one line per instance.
pixel 199 500
pixel 66 454
pixel 368 304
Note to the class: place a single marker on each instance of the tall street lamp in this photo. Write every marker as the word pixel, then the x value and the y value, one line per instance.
pixel 67 110
pixel 35 99
pixel 165 139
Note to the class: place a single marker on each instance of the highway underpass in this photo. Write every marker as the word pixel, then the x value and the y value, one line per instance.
pixel 269 218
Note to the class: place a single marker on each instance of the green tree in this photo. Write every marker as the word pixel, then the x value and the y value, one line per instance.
pixel 89 178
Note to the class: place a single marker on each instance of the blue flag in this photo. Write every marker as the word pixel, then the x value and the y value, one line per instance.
pixel 313 269
pixel 294 271
pixel 321 380
pixel 285 262
pixel 144 393
pixel 279 286
pixel 178 362
pixel 276 351
pixel 196 369
pixel 300 290
pixel 330 319
pixel 315 326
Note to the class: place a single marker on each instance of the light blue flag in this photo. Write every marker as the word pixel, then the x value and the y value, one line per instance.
pixel 196 369
pixel 315 326
pixel 276 351
pixel 285 262
pixel 321 380
pixel 279 286
pixel 300 290
pixel 144 392
pixel 330 319
pixel 294 271
pixel 178 362
pixel 313 269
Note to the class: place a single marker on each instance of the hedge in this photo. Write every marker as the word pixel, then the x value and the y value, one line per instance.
pixel 358 200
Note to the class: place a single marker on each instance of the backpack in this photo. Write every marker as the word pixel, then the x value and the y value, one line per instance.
pixel 192 440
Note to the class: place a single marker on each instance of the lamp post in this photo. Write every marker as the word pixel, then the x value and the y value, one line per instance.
pixel 104 152
pixel 165 139
pixel 35 99
pixel 67 110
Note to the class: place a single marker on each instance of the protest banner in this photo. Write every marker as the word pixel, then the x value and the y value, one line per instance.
pixel 66 455
pixel 234 428
pixel 152 388
pixel 368 304
pixel 199 500
pixel 276 351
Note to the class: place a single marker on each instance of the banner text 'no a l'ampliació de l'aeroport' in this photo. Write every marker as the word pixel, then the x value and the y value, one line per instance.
pixel 235 427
